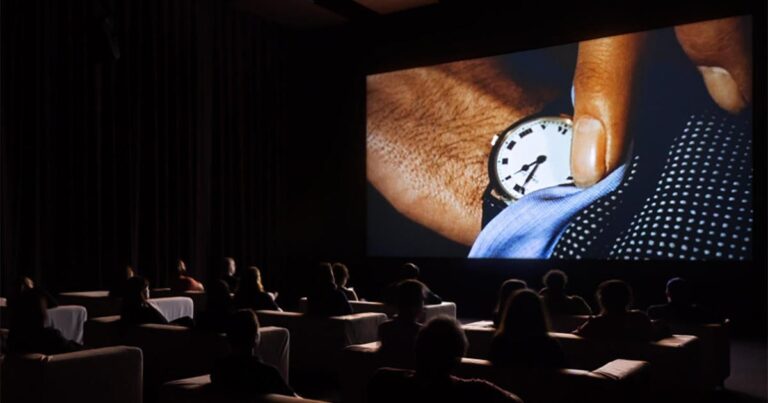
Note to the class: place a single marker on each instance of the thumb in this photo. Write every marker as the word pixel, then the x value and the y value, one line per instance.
pixel 603 82
pixel 722 51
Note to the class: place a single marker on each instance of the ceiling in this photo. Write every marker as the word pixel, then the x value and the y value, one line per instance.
pixel 311 14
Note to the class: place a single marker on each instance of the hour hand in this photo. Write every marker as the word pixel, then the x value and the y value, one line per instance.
pixel 523 168
pixel 530 175
pixel 537 161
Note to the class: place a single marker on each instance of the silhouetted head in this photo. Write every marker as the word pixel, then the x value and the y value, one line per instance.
pixel 243 332
pixel 614 296
pixel 507 288
pixel 26 284
pixel 440 345
pixel 678 291
pixel 219 298
pixel 229 268
pixel 555 281
pixel 409 271
pixel 181 267
pixel 250 280
pixel 29 311
pixel 340 274
pixel 410 299
pixel 128 272
pixel 324 276
pixel 136 290
pixel 524 316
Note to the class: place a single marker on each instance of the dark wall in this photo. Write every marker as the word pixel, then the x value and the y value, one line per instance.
pixel 216 133
pixel 137 132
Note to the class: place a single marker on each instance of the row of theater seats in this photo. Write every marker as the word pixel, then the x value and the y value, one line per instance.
pixel 99 303
pixel 109 374
pixel 714 349
pixel 617 380
pixel 176 360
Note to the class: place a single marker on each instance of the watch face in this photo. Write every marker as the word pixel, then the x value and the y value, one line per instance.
pixel 532 155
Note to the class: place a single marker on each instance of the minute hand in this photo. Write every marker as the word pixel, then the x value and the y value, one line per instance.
pixel 530 175
pixel 539 160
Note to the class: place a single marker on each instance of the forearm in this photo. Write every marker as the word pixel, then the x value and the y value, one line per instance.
pixel 429 133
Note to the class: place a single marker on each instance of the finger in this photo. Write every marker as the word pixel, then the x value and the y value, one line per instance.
pixel 722 51
pixel 602 88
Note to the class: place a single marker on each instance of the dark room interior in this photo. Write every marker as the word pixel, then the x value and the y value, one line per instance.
pixel 206 147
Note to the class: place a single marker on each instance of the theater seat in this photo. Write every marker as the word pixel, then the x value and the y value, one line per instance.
pixel 97 303
pixel 674 363
pixel 715 349
pixel 110 374
pixel 566 323
pixel 69 320
pixel 199 390
pixel 618 380
pixel 317 342
pixel 199 297
pixel 430 311
pixel 175 352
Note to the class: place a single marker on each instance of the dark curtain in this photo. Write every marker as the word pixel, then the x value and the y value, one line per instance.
pixel 168 151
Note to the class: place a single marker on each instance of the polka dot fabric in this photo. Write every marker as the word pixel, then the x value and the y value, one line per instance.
pixel 698 206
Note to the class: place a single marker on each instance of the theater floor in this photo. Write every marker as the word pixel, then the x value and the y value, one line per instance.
pixel 749 372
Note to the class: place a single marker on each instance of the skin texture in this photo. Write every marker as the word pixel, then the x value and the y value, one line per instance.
pixel 429 133
pixel 603 82
pixel 429 129
pixel 605 74
pixel 722 51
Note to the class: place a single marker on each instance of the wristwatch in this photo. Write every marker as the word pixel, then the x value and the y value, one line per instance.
pixel 533 153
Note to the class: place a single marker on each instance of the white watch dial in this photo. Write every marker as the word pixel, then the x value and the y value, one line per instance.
pixel 534 155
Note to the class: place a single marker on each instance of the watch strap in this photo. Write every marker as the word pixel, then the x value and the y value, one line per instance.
pixel 492 206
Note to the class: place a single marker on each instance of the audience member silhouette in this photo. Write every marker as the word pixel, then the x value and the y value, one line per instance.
pixel 28 331
pixel 228 273
pixel 508 287
pixel 182 281
pixel 398 335
pixel 242 373
pixel 439 348
pixel 409 271
pixel 680 307
pixel 251 293
pixel 218 307
pixel 28 284
pixel 522 340
pixel 136 309
pixel 616 321
pixel 556 301
pixel 324 298
pixel 341 276
pixel 121 281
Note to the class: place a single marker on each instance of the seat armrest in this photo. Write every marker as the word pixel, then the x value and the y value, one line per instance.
pixel 622 369
pixel 87 375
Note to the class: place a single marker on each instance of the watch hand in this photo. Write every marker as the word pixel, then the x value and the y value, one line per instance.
pixel 524 168
pixel 530 175
pixel 538 160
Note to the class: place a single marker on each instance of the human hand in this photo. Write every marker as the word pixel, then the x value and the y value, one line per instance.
pixel 605 76
pixel 428 138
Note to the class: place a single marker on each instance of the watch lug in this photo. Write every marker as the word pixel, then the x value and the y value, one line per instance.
pixel 494 140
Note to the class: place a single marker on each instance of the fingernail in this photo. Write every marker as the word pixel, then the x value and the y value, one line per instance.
pixel 587 155
pixel 723 88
